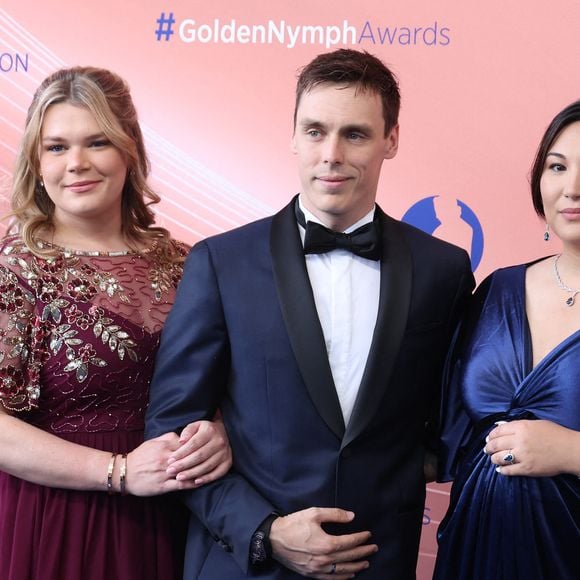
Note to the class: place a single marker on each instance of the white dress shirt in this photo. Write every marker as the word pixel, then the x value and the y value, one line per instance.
pixel 346 293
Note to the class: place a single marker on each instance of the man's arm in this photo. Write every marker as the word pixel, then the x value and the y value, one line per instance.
pixel 191 374
pixel 459 310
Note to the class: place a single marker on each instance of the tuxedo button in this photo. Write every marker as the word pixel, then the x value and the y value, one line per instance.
pixel 224 545
pixel 346 453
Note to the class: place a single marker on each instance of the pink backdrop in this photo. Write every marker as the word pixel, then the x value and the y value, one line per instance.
pixel 479 84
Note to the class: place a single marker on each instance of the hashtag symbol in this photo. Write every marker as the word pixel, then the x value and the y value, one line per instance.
pixel 165 26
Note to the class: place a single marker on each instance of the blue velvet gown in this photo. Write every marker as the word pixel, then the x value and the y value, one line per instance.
pixel 498 527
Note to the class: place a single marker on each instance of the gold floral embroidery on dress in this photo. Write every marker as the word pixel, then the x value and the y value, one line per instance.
pixel 65 275
pixel 165 276
pixel 54 308
pixel 18 334
pixel 113 335
pixel 52 277
pixel 54 280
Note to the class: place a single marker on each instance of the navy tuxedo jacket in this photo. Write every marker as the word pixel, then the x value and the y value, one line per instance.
pixel 244 337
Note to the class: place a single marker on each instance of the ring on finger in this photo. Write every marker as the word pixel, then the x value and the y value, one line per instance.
pixel 332 568
pixel 510 457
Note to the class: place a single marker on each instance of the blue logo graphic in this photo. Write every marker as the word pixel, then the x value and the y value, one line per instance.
pixel 451 220
pixel 165 26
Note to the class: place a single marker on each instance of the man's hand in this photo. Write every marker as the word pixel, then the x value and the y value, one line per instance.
pixel 299 543
pixel 204 455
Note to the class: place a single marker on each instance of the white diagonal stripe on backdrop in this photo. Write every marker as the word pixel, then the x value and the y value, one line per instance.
pixel 187 185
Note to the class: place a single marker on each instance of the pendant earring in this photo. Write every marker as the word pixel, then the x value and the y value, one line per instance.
pixel 547 233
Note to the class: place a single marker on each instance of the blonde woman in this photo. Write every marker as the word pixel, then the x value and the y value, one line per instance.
pixel 86 281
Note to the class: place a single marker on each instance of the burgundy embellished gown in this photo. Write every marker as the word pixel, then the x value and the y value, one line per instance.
pixel 78 337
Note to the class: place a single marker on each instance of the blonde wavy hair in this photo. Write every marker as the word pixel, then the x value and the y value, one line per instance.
pixel 107 97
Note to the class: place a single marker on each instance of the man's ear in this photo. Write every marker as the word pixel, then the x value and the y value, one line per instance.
pixel 392 142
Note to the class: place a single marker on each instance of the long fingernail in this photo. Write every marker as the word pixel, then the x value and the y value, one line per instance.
pixel 498 469
pixel 500 422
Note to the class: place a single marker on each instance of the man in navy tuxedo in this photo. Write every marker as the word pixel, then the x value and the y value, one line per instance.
pixel 320 333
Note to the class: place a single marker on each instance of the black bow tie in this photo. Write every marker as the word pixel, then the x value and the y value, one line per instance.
pixel 364 241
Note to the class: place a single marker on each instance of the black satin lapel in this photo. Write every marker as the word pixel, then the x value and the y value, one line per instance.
pixel 301 318
pixel 394 299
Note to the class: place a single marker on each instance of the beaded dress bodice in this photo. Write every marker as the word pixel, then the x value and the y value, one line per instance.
pixel 78 335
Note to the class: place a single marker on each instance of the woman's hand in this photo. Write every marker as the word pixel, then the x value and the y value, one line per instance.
pixel 147 467
pixel 204 455
pixel 534 448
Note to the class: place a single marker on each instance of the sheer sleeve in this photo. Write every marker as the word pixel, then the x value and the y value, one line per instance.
pixel 19 333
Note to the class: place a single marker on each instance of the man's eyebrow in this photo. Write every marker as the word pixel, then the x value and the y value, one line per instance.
pixel 357 127
pixel 306 122
pixel 351 127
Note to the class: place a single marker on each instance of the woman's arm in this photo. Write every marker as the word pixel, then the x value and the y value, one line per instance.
pixel 40 457
pixel 34 455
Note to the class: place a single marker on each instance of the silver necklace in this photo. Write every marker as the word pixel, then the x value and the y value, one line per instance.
pixel 571 299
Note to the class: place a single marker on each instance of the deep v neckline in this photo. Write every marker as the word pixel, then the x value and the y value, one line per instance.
pixel 529 366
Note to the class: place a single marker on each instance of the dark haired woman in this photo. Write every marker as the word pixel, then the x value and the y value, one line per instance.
pixel 512 411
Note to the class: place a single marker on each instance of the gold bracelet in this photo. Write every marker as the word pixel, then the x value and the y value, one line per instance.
pixel 110 473
pixel 123 475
